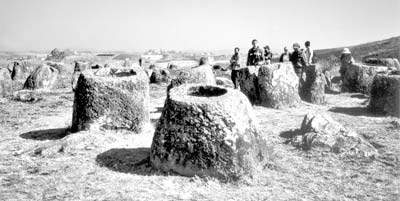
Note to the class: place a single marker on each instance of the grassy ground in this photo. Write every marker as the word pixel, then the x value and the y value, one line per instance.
pixel 39 161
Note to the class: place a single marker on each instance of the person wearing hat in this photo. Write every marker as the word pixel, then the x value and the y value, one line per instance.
pixel 255 55
pixel 297 59
pixel 346 60
pixel 267 55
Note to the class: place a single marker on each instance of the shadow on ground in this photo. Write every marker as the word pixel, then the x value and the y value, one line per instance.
pixel 354 111
pixel 359 96
pixel 289 135
pixel 46 134
pixel 330 91
pixel 134 161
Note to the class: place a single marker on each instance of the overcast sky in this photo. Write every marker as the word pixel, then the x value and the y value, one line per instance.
pixel 192 24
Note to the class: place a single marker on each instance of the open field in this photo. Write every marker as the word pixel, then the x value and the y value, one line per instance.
pixel 41 162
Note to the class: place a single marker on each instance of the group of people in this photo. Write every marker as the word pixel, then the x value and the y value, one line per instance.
pixel 257 56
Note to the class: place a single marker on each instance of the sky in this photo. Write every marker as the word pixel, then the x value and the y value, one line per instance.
pixel 201 25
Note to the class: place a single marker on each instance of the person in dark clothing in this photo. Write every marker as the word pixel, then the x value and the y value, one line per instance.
pixel 284 56
pixel 140 61
pixel 235 65
pixel 255 55
pixel 297 59
pixel 267 55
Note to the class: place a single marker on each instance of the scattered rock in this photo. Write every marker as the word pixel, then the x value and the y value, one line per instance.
pixel 27 96
pixel 248 82
pixel 207 131
pixel 197 75
pixel 155 76
pixel 395 125
pixel 172 67
pixel 20 71
pixel 181 79
pixel 127 63
pixel 73 143
pixel 385 95
pixel 79 67
pixel 158 76
pixel 388 62
pixel 278 85
pixel 217 67
pixel 5 74
pixel 117 100
pixel 6 83
pixel 313 89
pixel 201 74
pixel 43 77
pixel 321 132
pixel 96 66
pixel 358 78
pixel 223 81
pixel 61 67
pixel 57 55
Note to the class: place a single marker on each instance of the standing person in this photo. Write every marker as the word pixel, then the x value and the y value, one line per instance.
pixel 235 65
pixel 127 63
pixel 297 60
pixel 255 55
pixel 345 60
pixel 308 53
pixel 140 61
pixel 285 57
pixel 267 55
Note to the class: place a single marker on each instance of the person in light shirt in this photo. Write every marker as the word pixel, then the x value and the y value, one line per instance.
pixel 235 65
pixel 308 53
pixel 285 57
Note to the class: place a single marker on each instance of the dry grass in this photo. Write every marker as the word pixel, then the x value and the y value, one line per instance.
pixel 38 162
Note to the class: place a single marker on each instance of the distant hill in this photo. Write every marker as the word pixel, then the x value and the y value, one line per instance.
pixel 389 48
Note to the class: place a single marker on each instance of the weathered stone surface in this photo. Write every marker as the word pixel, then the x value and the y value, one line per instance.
pixel 79 67
pixel 117 100
pixel 321 132
pixel 58 55
pixel 388 62
pixel 358 78
pixel 278 85
pixel 5 74
pixel 43 77
pixel 200 74
pixel 62 68
pixel 248 82
pixel 158 76
pixel 207 131
pixel 5 82
pixel 27 96
pixel 127 63
pixel 195 75
pixel 313 89
pixel 223 81
pixel 385 95
pixel 20 71
pixel 328 81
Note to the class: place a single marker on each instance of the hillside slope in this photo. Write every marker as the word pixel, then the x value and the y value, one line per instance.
pixel 388 48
